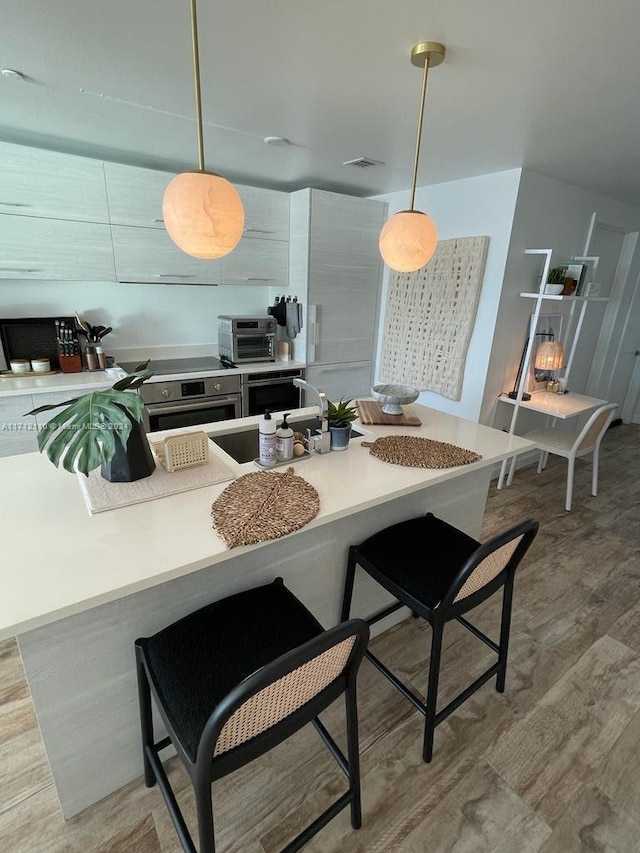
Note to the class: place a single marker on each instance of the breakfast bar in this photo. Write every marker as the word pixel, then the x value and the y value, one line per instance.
pixel 78 589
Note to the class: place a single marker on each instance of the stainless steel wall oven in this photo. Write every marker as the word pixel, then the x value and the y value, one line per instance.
pixel 187 402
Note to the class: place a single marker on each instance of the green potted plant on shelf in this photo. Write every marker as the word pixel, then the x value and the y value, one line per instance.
pixel 341 417
pixel 102 429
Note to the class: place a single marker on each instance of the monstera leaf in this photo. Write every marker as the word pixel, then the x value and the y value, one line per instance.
pixel 84 435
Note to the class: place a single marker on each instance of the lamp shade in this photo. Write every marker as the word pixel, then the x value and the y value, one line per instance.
pixel 408 240
pixel 203 214
pixel 550 356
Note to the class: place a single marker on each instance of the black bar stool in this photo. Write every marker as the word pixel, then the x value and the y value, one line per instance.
pixel 440 573
pixel 236 678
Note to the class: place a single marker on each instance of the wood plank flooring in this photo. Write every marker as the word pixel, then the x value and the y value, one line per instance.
pixel 552 766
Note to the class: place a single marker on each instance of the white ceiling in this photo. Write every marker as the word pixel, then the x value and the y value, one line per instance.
pixel 553 85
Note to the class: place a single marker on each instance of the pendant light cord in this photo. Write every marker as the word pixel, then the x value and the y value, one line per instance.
pixel 419 136
pixel 196 79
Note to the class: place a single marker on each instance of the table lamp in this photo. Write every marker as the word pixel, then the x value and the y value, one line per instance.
pixel 550 357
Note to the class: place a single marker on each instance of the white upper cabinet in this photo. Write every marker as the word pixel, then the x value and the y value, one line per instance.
pixel 135 198
pixel 266 213
pixel 149 255
pixel 257 262
pixel 135 195
pixel 34 182
pixel 55 249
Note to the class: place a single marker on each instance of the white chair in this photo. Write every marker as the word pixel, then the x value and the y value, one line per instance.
pixel 570 446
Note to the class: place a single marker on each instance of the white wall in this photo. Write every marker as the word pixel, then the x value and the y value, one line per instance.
pixel 483 205
pixel 549 214
pixel 142 315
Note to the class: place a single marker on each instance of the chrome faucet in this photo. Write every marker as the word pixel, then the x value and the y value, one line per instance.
pixel 322 440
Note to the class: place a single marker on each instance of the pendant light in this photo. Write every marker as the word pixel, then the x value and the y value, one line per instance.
pixel 408 240
pixel 202 211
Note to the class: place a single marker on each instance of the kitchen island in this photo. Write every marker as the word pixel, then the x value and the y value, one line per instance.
pixel 78 589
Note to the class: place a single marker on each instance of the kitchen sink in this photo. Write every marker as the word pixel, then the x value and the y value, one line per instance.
pixel 243 445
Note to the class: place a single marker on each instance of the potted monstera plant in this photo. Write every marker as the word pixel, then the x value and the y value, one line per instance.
pixel 341 417
pixel 102 429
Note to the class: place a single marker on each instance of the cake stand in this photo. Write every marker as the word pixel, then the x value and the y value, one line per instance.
pixel 394 397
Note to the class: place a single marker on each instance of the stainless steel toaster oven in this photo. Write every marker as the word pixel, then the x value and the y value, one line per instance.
pixel 243 339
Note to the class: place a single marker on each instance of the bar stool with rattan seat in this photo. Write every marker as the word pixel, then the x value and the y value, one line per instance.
pixel 440 573
pixel 234 679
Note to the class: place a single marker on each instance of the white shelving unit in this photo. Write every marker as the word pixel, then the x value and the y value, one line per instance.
pixel 572 404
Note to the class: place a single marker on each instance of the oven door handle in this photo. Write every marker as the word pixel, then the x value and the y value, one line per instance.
pixel 166 409
pixel 258 383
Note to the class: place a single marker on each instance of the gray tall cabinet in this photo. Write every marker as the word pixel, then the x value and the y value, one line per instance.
pixel 335 263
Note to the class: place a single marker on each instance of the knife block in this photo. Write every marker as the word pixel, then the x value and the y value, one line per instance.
pixel 70 363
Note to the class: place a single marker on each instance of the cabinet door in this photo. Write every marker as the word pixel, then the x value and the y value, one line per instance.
pixel 266 213
pixel 18 434
pixel 34 248
pixel 34 182
pixel 135 195
pixel 348 381
pixel 256 262
pixel 344 276
pixel 149 255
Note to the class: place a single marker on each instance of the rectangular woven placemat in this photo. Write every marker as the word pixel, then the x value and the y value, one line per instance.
pixel 101 495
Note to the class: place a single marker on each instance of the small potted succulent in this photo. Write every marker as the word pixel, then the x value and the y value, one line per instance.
pixel 341 417
pixel 102 429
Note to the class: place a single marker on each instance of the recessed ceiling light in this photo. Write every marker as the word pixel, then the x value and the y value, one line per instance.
pixel 10 74
pixel 276 140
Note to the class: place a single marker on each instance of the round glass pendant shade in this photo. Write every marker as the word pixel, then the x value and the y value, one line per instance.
pixel 203 214
pixel 408 240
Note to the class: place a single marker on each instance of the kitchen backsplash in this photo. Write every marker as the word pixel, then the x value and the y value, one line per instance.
pixel 141 315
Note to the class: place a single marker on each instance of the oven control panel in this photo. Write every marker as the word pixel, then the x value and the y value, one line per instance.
pixel 189 389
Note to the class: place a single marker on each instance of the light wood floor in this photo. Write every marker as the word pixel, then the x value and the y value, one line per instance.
pixel 552 766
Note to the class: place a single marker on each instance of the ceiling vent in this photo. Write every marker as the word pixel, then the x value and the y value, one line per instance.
pixel 363 163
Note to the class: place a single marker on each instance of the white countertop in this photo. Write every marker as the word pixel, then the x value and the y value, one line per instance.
pixel 58 560
pixel 80 383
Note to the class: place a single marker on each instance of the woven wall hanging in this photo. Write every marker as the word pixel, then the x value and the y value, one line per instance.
pixel 415 452
pixel 263 505
pixel 430 316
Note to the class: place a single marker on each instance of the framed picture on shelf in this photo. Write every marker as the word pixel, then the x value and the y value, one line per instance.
pixel 578 272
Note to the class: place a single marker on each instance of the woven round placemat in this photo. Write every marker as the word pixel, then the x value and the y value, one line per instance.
pixel 263 505
pixel 419 452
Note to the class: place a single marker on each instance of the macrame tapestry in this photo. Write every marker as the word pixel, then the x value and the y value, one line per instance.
pixel 430 316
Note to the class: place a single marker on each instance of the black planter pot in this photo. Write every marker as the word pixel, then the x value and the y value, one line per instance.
pixel 134 463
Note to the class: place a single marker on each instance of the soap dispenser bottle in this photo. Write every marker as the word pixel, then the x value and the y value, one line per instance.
pixel 284 441
pixel 267 429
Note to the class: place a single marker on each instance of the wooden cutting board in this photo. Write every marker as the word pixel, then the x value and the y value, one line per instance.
pixel 370 412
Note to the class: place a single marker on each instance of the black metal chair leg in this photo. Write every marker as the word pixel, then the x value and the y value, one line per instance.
pixel 204 810
pixel 353 754
pixel 505 628
pixel 432 691
pixel 348 585
pixel 146 723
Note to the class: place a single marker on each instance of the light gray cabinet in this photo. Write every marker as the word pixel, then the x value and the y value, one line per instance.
pixel 257 262
pixel 18 434
pixel 54 249
pixel 135 195
pixel 334 251
pixel 266 213
pixel 149 255
pixel 348 381
pixel 34 182
pixel 135 198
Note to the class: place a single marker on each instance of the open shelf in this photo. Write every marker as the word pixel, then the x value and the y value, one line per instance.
pixel 564 298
